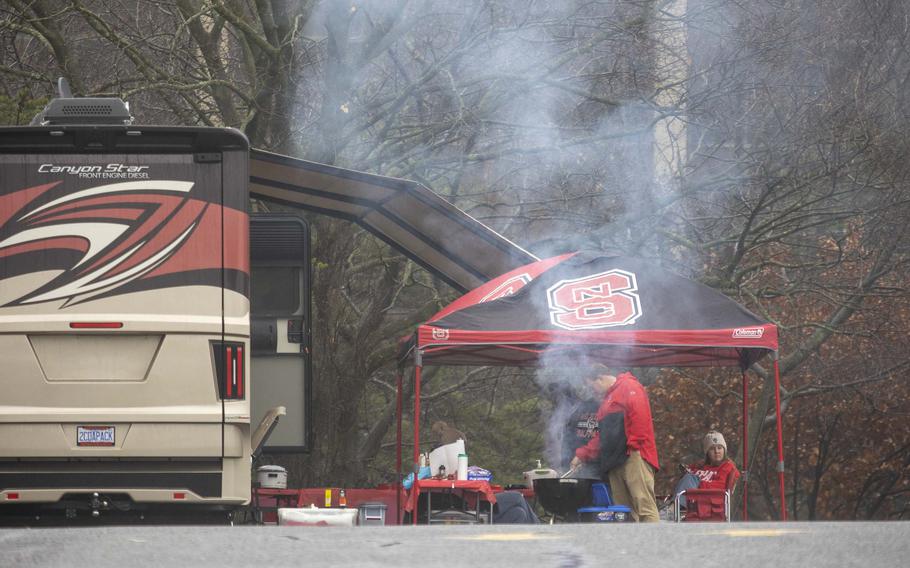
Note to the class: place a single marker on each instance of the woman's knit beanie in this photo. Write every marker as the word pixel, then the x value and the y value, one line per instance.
pixel 713 438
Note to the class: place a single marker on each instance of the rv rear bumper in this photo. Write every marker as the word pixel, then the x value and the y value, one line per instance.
pixel 202 479
pixel 217 481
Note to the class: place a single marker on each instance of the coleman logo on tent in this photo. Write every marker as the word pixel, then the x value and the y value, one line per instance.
pixel 507 288
pixel 440 333
pixel 748 332
pixel 607 299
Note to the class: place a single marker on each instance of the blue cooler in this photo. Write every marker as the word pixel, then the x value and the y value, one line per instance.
pixel 603 510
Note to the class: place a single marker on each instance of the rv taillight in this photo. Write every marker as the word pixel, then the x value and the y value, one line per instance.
pixel 96 325
pixel 12 496
pixel 229 364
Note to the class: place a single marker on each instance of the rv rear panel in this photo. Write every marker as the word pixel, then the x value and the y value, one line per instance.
pixel 124 274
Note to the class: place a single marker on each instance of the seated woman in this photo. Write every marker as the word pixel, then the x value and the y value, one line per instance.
pixel 717 472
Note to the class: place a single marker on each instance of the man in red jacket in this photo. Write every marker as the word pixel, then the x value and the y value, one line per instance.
pixel 624 444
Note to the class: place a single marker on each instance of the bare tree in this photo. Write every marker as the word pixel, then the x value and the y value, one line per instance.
pixel 756 147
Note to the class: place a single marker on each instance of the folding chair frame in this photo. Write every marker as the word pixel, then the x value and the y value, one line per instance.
pixel 677 508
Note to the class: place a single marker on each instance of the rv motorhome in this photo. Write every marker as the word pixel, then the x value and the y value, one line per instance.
pixel 125 312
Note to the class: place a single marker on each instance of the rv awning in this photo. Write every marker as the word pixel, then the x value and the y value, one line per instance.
pixel 408 216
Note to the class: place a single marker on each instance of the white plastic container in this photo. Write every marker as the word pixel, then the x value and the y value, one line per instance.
pixel 539 473
pixel 372 514
pixel 315 517
pixel 447 456
pixel 272 477
pixel 462 466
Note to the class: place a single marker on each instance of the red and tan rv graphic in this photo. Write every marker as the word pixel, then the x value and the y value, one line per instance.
pixel 107 240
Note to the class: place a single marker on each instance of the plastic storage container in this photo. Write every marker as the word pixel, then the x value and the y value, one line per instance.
pixel 372 514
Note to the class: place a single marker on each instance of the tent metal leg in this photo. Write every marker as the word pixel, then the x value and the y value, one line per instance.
pixel 745 463
pixel 398 478
pixel 780 440
pixel 417 369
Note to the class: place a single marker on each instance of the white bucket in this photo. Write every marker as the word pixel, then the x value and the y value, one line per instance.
pixel 272 477
pixel 315 517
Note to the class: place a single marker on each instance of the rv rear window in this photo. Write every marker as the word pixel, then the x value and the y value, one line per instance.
pixel 275 290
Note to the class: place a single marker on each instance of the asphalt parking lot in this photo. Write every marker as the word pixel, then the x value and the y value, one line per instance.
pixel 563 546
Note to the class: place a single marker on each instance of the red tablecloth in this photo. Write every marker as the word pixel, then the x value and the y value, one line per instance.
pixel 481 488
pixel 274 494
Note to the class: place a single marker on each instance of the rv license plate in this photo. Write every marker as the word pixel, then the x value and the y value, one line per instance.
pixel 95 436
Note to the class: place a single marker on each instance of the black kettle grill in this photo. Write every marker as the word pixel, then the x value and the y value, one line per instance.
pixel 563 497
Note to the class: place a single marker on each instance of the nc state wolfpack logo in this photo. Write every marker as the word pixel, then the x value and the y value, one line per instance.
pixel 101 238
pixel 507 288
pixel 601 300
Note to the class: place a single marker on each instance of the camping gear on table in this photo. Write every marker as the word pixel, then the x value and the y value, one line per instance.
pixel 446 456
pixel 462 467
pixel 479 474
pixel 423 473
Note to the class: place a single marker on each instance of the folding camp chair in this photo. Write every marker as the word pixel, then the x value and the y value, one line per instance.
pixel 703 505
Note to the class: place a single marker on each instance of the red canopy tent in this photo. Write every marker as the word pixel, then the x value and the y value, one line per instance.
pixel 618 311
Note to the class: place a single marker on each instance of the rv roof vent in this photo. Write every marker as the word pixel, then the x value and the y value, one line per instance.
pixel 83 109
pixel 67 109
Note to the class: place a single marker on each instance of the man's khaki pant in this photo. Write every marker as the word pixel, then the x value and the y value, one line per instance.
pixel 632 485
